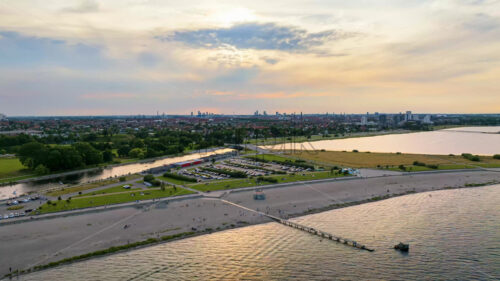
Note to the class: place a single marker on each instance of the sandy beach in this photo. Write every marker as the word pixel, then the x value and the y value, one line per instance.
pixel 27 244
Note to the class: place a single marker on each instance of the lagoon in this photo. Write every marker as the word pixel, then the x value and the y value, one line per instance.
pixel 475 140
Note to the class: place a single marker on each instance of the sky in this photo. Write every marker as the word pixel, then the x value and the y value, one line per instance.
pixel 89 57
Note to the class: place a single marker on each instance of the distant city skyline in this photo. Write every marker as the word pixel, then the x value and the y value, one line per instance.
pixel 86 57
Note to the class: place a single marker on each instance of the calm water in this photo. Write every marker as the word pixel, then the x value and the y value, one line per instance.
pixel 7 191
pixel 453 235
pixel 453 141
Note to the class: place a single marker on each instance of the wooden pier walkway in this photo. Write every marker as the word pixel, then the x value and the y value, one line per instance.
pixel 323 234
pixel 307 229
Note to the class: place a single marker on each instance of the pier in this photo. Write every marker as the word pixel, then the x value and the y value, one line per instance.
pixel 307 229
pixel 323 234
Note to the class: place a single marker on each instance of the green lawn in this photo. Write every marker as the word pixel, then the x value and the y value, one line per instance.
pixel 232 184
pixel 224 184
pixel 88 186
pixel 101 200
pixel 412 168
pixel 11 169
pixel 113 189
pixel 271 157
pixel 125 160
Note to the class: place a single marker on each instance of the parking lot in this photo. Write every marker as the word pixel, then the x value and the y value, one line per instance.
pixel 21 206
pixel 223 169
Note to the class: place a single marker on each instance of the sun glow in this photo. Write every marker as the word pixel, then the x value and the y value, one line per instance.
pixel 228 17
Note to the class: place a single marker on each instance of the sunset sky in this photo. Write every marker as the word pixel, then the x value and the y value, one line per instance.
pixel 86 57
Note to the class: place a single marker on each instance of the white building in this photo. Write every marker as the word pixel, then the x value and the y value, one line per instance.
pixel 3 117
pixel 427 119
pixel 364 120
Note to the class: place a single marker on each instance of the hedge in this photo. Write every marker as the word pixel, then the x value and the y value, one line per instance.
pixel 179 177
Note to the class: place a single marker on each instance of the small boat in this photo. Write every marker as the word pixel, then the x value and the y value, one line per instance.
pixel 402 247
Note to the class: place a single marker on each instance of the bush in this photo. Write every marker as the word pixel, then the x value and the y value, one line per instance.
pixel 416 163
pixel 41 170
pixel 178 177
pixel 122 179
pixel 149 178
pixel 402 167
pixel 155 182
pixel 471 157
pixel 296 163
pixel 355 150
pixel 496 156
pixel 231 173
pixel 271 180
pixel 432 166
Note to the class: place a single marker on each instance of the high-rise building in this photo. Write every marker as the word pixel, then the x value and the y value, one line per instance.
pixel 408 116
pixel 382 119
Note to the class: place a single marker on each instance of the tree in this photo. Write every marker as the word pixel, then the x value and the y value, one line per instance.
pixel 107 156
pixel 123 150
pixel 41 170
pixel 90 155
pixel 149 178
pixel 136 153
pixel 29 153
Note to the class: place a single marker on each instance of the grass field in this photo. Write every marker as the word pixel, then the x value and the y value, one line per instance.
pixel 11 169
pixel 101 200
pixel 271 157
pixel 392 160
pixel 174 181
pixel 68 190
pixel 239 183
pixel 113 189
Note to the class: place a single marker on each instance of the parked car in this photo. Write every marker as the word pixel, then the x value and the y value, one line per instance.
pixel 11 215
pixel 5 216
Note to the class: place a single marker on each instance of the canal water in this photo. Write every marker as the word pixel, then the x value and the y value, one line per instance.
pixel 20 188
pixel 475 140
pixel 453 235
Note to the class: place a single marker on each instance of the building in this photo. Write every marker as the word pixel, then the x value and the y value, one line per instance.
pixel 382 119
pixel 427 119
pixel 408 116
pixel 364 120
pixel 3 117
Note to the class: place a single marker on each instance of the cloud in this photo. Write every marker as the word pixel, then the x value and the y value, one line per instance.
pixel 85 6
pixel 21 50
pixel 267 36
pixel 482 22
pixel 270 60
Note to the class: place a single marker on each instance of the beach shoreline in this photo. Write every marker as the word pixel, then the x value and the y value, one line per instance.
pixel 65 237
